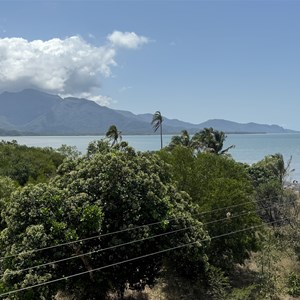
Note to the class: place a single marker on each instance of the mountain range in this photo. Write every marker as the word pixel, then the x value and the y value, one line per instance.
pixel 32 112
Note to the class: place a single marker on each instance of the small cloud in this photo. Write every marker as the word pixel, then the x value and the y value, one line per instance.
pixel 127 39
pixel 124 88
pixel 172 44
pixel 99 99
pixel 91 36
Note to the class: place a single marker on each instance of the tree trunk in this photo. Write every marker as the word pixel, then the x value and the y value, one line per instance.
pixel 86 264
pixel 161 140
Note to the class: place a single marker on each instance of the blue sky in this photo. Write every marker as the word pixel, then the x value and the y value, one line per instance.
pixel 192 60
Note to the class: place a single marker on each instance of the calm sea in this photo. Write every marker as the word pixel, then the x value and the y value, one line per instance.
pixel 249 148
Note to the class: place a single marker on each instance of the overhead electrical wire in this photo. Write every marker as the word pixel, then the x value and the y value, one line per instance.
pixel 135 258
pixel 134 241
pixel 124 230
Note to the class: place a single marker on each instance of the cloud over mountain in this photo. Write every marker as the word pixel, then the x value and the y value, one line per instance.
pixel 68 67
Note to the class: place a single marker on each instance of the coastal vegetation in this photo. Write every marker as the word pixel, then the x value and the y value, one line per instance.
pixel 27 164
pixel 185 222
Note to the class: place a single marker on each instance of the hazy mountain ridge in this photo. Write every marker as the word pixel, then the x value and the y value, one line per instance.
pixel 39 113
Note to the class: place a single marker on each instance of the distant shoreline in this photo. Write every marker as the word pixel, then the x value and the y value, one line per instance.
pixel 134 134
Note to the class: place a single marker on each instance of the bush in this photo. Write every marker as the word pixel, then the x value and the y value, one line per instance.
pixel 294 284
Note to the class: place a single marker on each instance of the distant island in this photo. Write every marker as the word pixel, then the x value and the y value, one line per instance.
pixel 32 112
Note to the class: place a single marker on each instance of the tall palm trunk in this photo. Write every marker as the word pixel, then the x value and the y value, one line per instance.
pixel 161 138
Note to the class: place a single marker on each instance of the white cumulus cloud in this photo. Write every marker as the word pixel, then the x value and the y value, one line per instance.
pixel 127 39
pixel 68 67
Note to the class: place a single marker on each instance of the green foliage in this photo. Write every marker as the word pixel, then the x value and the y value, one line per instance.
pixel 185 140
pixel 68 151
pixel 207 140
pixel 7 186
pixel 259 174
pixel 269 196
pixel 294 284
pixel 39 216
pixel 214 182
pixel 266 261
pixel 181 162
pixel 113 188
pixel 268 178
pixel 271 167
pixel 212 140
pixel 218 283
pixel 245 293
pixel 113 135
pixel 157 120
pixel 28 164
pixel 106 191
pixel 97 147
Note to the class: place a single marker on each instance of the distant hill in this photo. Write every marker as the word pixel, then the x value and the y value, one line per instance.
pixel 33 112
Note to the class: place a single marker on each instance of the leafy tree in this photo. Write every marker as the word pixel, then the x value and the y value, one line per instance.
pixel 268 178
pixel 156 122
pixel 98 146
pixel 181 161
pixel 28 164
pixel 69 151
pixel 106 191
pixel 113 134
pixel 276 166
pixel 7 186
pixel 215 182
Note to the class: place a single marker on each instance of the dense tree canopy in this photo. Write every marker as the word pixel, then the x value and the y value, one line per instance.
pixel 214 182
pixel 268 177
pixel 184 210
pixel 107 191
pixel 28 164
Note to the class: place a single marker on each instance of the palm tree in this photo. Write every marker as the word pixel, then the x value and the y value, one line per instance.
pixel 180 140
pixel 213 141
pixel 185 140
pixel 113 134
pixel 280 168
pixel 156 122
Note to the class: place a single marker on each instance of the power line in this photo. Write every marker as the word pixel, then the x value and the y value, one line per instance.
pixel 135 258
pixel 139 240
pixel 134 241
pixel 123 230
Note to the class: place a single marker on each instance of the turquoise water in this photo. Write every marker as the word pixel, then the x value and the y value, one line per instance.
pixel 249 148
